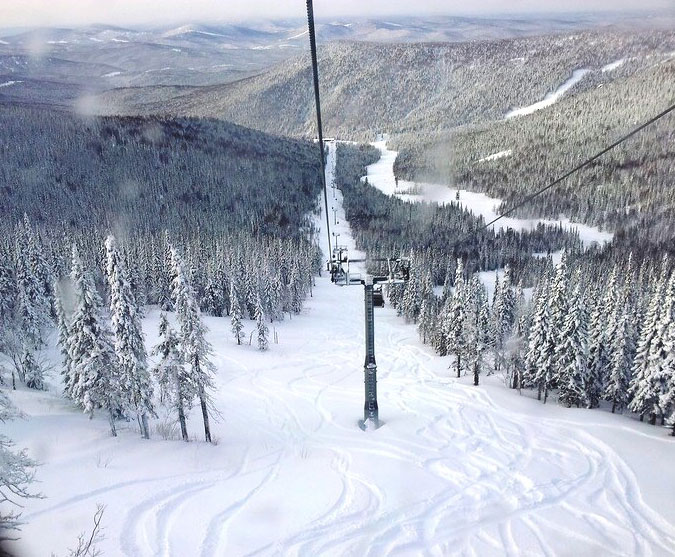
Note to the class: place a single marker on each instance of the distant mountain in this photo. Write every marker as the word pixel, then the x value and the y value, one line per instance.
pixel 216 53
pixel 367 87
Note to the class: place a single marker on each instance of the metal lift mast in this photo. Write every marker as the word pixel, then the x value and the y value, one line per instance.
pixel 338 256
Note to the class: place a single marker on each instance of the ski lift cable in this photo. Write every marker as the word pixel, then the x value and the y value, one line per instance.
pixel 315 73
pixel 555 182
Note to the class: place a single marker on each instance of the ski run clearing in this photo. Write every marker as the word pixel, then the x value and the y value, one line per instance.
pixel 455 469
pixel 550 98
pixel 381 175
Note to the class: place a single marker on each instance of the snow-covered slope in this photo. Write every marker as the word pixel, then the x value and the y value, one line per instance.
pixel 454 470
pixel 550 98
pixel 381 175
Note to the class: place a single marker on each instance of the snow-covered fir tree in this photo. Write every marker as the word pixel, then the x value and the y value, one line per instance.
pixel 456 338
pixel 622 349
pixel 235 313
pixel 134 376
pixel 193 344
pixel 541 348
pixel 261 326
pixel 176 390
pixel 94 379
pixel 643 389
pixel 571 354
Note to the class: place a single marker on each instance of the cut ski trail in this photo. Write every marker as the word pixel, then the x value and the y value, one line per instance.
pixel 450 472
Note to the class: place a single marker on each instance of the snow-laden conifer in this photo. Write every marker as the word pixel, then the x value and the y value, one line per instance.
pixel 643 389
pixel 235 313
pixel 135 381
pixel 571 355
pixel 193 344
pixel 621 350
pixel 261 326
pixel 94 379
pixel 176 389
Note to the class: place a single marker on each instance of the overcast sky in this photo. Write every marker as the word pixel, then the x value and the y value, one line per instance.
pixel 62 12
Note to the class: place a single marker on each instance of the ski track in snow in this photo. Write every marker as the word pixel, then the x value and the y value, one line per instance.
pixel 449 472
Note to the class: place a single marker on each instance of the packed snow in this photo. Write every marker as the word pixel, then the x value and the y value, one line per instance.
pixel 455 469
pixel 9 83
pixel 550 98
pixel 298 35
pixel 495 156
pixel 612 66
pixel 381 175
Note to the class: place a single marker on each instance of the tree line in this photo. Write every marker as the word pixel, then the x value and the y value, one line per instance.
pixel 597 326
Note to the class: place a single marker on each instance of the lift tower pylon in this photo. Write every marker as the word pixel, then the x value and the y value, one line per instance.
pixel 370 410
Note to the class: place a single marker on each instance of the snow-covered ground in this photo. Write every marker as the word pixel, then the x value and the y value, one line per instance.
pixel 550 98
pixel 455 469
pixel 612 65
pixel 381 175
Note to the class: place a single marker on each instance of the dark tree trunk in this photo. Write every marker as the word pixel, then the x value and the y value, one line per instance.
pixel 205 416
pixel 181 419
pixel 181 412
pixel 459 365
pixel 111 418
pixel 146 429
pixel 475 374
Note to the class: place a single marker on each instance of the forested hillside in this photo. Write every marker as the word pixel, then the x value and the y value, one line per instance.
pixel 208 217
pixel 630 189
pixel 405 87
pixel 152 174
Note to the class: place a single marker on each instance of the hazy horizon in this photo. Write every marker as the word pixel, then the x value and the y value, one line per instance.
pixel 40 13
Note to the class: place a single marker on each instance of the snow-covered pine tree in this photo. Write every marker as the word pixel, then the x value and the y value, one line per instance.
pixel 64 334
pixel 193 344
pixel 621 352
pixel 660 355
pixel 235 313
pixel 32 370
pixel 600 340
pixel 541 348
pixel 558 311
pixel 33 308
pixel 135 380
pixel 456 339
pixel 475 326
pixel 441 330
pixel 8 291
pixel 667 398
pixel 426 319
pixel 261 326
pixel 571 356
pixel 642 390
pixel 174 381
pixel 94 380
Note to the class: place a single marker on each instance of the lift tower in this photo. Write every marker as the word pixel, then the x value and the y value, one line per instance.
pixel 398 272
pixel 338 266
